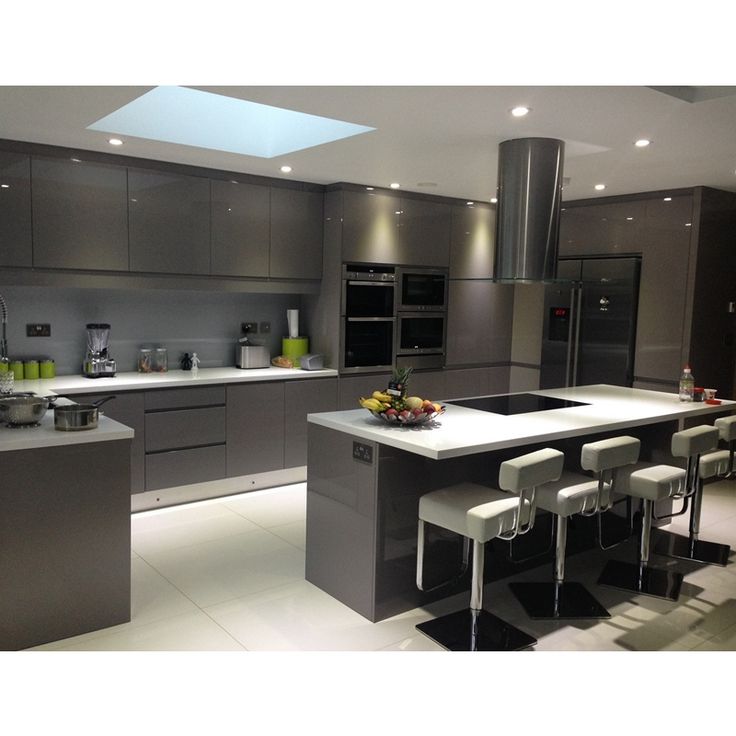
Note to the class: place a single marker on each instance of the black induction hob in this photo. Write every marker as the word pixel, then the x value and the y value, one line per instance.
pixel 516 403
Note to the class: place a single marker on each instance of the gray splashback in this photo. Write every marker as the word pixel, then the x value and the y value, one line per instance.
pixel 182 321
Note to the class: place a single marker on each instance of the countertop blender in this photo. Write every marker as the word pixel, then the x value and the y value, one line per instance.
pixel 97 362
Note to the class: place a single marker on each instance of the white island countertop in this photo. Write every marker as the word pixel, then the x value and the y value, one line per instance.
pixel 134 381
pixel 464 431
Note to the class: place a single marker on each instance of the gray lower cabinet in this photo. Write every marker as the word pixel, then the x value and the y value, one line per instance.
pixel 183 467
pixel 16 248
pixel 427 385
pixel 351 388
pixel 169 223
pixel 80 215
pixel 127 408
pixel 255 428
pixel 183 428
pixel 241 228
pixel 302 398
pixel 296 234
pixel 472 241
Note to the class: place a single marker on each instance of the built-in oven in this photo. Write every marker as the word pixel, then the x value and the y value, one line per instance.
pixel 368 318
pixel 421 339
pixel 422 289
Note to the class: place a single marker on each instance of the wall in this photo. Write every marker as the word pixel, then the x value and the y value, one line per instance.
pixel 182 321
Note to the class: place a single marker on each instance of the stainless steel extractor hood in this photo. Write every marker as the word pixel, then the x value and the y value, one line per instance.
pixel 529 193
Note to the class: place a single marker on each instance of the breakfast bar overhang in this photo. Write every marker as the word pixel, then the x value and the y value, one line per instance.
pixel 365 477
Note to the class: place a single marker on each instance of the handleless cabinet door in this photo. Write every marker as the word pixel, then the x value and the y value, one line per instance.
pixel 370 227
pixel 302 398
pixel 255 428
pixel 169 223
pixel 472 242
pixel 241 215
pixel 424 233
pixel 15 210
pixel 296 234
pixel 80 217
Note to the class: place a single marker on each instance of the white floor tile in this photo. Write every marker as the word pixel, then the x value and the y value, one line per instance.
pixel 274 507
pixel 223 569
pixel 294 533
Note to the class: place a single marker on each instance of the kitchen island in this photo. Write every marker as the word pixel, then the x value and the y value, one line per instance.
pixel 64 531
pixel 365 477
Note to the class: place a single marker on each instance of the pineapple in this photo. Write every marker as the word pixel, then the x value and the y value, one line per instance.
pixel 397 387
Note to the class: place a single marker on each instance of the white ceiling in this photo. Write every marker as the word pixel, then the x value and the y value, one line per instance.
pixel 446 135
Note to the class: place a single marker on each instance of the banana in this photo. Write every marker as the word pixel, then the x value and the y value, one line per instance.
pixel 372 404
pixel 382 396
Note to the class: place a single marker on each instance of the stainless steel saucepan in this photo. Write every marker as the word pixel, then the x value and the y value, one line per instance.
pixel 77 417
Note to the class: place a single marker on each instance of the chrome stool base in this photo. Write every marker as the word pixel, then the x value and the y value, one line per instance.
pixel 475 631
pixel 687 548
pixel 642 579
pixel 550 600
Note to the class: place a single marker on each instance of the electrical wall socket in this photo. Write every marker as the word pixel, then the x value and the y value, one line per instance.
pixel 249 326
pixel 265 327
pixel 38 330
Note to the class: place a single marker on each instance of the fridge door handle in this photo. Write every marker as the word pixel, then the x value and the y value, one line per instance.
pixel 576 349
pixel 570 337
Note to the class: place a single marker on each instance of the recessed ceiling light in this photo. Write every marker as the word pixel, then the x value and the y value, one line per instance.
pixel 688 224
pixel 369 189
pixel 77 160
pixel 629 218
pixel 494 200
pixel 520 111
pixel 470 203
pixel 642 143
pixel 394 185
pixel 600 187
pixel 668 199
pixel 115 142
pixel 285 169
pixel 4 186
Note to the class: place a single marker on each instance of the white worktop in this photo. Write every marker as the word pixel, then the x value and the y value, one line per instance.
pixel 134 381
pixel 33 438
pixel 463 431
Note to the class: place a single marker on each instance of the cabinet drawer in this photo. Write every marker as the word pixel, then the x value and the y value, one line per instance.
pixel 168 430
pixel 180 398
pixel 181 467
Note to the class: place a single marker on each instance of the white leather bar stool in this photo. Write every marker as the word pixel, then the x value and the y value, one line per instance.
pixel 481 514
pixel 575 493
pixel 652 483
pixel 712 465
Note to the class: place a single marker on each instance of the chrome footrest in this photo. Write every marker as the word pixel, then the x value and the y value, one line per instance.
pixel 470 631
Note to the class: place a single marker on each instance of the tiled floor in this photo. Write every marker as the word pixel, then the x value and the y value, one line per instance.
pixel 228 574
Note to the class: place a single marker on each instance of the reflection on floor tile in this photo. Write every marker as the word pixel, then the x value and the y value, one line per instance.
pixel 229 574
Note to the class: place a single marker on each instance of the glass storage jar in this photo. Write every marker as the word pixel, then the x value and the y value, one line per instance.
pixel 160 360
pixel 145 360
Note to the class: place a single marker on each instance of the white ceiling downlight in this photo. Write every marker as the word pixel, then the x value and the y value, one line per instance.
pixel 642 143
pixel 520 111
pixel 599 187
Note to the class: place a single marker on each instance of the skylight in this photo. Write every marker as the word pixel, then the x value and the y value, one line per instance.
pixel 191 117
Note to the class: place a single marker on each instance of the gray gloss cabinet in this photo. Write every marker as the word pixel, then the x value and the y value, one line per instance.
pixel 16 248
pixel 296 234
pixel 127 408
pixel 80 216
pixel 302 398
pixel 472 241
pixel 424 233
pixel 169 224
pixel 370 227
pixel 255 428
pixel 241 228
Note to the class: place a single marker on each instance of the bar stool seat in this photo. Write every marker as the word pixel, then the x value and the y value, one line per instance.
pixel 481 514
pixel 720 462
pixel 574 493
pixel 651 483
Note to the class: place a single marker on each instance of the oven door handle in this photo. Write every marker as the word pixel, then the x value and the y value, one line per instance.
pixel 353 282
pixel 371 319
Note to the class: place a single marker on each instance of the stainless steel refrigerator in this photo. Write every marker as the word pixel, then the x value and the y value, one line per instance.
pixel 590 323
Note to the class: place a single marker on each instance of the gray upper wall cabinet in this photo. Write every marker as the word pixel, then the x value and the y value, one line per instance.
pixel 15 210
pixel 241 228
pixel 296 234
pixel 169 222
pixel 80 218
pixel 604 229
pixel 472 241
pixel 382 228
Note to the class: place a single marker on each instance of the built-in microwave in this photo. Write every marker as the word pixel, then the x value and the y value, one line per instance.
pixel 420 339
pixel 421 289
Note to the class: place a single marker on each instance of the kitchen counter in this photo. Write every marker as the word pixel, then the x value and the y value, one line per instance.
pixel 464 431
pixel 135 381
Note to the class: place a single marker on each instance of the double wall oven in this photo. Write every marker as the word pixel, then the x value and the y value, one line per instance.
pixel 392 316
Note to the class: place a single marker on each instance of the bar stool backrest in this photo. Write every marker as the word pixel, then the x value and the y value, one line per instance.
pixel 694 441
pixel 531 470
pixel 612 453
pixel 726 427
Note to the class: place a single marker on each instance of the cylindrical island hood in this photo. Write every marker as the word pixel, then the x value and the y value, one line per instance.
pixel 528 212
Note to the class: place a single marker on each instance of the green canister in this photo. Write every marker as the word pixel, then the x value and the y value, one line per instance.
pixel 47 368
pixel 30 370
pixel 17 368
pixel 4 365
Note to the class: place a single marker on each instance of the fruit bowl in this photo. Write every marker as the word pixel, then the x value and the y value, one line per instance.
pixel 408 419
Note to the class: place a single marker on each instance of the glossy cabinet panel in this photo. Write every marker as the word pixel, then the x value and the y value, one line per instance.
pixel 612 228
pixel 351 388
pixel 424 233
pixel 255 428
pixel 302 398
pixel 182 467
pixel 370 227
pixel 296 234
pixel 169 223
pixel 173 430
pixel 241 228
pixel 472 242
pixel 80 217
pixel 15 210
